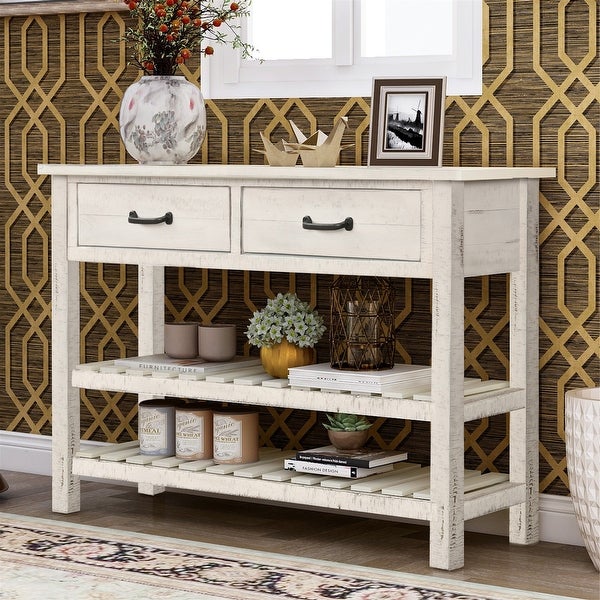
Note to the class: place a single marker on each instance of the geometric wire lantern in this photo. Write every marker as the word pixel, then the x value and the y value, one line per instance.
pixel 362 334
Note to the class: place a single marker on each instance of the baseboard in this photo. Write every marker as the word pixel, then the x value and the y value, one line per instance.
pixel 29 453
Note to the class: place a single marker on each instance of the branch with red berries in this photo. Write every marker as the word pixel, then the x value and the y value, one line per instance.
pixel 169 31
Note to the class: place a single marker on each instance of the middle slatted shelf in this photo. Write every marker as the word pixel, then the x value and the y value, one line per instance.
pixel 480 397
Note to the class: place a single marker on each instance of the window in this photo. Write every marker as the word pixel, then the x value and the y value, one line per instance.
pixel 336 47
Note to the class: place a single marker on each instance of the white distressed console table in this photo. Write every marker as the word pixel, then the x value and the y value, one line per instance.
pixel 444 224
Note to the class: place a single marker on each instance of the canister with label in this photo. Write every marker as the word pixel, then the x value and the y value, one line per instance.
pixel 156 426
pixel 193 431
pixel 235 436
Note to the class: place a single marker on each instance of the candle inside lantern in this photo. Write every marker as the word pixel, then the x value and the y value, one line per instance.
pixel 363 335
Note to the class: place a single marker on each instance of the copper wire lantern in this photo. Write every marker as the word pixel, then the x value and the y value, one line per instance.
pixel 362 334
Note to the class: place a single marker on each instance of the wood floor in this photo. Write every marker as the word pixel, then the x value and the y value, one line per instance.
pixel 549 568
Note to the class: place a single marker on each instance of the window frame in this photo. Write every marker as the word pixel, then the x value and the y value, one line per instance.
pixel 226 75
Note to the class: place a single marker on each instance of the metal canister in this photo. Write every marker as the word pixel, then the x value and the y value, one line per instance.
pixel 235 436
pixel 156 426
pixel 193 431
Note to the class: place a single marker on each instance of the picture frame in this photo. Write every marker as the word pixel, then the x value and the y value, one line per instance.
pixel 49 7
pixel 407 121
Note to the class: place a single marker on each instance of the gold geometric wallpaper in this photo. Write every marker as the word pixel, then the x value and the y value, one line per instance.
pixel 62 82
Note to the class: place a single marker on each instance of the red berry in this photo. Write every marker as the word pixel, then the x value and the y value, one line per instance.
pixel 209 50
pixel 217 22
pixel 180 60
pixel 197 22
pixel 132 4
pixel 234 6
pixel 163 28
pixel 185 54
pixel 170 2
pixel 185 20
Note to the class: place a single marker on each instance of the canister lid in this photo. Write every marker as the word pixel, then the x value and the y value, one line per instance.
pixel 161 403
pixel 194 406
pixel 237 411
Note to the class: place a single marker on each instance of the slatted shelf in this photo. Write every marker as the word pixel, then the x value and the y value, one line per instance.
pixel 254 386
pixel 407 484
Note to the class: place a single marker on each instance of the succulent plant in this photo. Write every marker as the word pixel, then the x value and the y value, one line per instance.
pixel 285 316
pixel 345 422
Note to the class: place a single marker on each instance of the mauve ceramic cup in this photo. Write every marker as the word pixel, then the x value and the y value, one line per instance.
pixel 216 342
pixel 181 340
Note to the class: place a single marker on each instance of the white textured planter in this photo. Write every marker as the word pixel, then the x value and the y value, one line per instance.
pixel 162 120
pixel 582 429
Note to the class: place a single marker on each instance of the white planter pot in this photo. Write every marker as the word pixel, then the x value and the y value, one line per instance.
pixel 582 430
pixel 162 120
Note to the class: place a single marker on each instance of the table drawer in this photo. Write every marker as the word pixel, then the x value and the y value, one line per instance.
pixel 201 216
pixel 386 223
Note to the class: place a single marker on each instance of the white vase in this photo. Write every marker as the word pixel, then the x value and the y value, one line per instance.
pixel 582 435
pixel 162 120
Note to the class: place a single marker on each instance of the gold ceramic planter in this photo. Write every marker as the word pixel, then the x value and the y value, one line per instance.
pixel 277 359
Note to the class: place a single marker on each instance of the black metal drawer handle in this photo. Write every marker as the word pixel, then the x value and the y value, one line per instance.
pixel 167 218
pixel 347 224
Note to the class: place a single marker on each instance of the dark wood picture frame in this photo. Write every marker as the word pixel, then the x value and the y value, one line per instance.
pixel 407 121
pixel 49 7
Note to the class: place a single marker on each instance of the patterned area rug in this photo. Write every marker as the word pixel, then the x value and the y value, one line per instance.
pixel 55 560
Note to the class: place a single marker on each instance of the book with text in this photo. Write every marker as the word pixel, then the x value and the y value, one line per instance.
pixel 301 466
pixel 162 362
pixel 324 376
pixel 366 458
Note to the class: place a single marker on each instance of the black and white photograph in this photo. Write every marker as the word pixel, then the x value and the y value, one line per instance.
pixel 407 121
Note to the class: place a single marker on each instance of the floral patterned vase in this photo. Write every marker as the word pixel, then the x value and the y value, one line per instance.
pixel 277 359
pixel 162 120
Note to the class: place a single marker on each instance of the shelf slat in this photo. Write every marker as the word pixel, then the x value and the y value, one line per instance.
pixel 96 451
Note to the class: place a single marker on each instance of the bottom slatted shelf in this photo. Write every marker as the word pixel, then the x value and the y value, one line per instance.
pixel 402 492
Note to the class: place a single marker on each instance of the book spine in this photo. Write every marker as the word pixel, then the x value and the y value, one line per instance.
pixel 158 367
pixel 322 469
pixel 333 460
pixel 349 461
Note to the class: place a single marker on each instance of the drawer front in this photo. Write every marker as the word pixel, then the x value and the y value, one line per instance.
pixel 386 223
pixel 201 216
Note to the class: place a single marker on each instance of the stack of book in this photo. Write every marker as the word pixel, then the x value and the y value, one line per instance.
pixel 324 376
pixel 354 464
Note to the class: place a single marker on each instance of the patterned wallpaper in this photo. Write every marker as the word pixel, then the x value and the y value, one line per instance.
pixel 62 82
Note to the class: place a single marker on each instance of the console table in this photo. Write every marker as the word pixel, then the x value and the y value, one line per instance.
pixel 444 224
